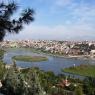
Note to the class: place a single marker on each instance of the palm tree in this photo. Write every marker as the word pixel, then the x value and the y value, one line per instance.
pixel 8 25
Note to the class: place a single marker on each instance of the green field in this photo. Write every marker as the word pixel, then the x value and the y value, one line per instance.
pixel 85 70
pixel 30 58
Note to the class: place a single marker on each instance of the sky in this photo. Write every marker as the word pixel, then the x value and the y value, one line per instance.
pixel 58 20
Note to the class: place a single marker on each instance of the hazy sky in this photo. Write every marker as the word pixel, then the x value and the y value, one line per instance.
pixel 59 20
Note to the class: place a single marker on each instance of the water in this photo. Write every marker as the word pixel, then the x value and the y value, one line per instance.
pixel 55 64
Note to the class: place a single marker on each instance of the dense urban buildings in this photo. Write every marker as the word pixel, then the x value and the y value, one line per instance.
pixel 73 48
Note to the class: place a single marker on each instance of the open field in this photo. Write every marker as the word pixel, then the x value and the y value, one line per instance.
pixel 85 70
pixel 30 58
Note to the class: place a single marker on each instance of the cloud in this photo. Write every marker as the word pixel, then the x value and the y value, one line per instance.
pixel 75 12
pixel 62 3
pixel 84 14
pixel 59 32
pixel 77 22
pixel 7 1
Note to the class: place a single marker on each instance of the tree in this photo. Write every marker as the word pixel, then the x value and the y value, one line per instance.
pixel 8 25
pixel 2 69
pixel 89 86
pixel 78 90
pixel 16 82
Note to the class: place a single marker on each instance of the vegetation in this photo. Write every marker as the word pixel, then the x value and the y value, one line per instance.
pixel 78 90
pixel 2 64
pixel 8 25
pixel 33 81
pixel 16 82
pixel 53 84
pixel 30 58
pixel 89 86
pixel 2 69
pixel 85 70
pixel 1 53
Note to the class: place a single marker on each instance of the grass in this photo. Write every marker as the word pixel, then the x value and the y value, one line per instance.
pixel 30 58
pixel 85 70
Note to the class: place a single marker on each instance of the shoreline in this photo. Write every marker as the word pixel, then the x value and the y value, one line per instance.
pixel 84 57
pixel 81 57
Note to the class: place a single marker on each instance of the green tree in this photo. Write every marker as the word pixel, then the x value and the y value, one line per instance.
pixel 2 69
pixel 78 90
pixel 9 25
pixel 89 86
pixel 17 83
pixel 1 54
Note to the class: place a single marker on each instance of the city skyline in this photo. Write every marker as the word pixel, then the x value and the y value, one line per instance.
pixel 58 20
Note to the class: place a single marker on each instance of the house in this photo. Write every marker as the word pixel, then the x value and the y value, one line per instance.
pixel 92 53
pixel 74 51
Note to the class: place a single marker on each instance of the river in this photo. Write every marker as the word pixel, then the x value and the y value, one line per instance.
pixel 54 63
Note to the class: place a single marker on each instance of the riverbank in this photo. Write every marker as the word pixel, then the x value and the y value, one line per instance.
pixel 84 70
pixel 55 64
pixel 84 57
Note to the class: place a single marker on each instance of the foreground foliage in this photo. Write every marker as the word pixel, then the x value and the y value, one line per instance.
pixel 2 69
pixel 1 53
pixel 15 82
pixel 9 25
pixel 78 90
pixel 33 81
